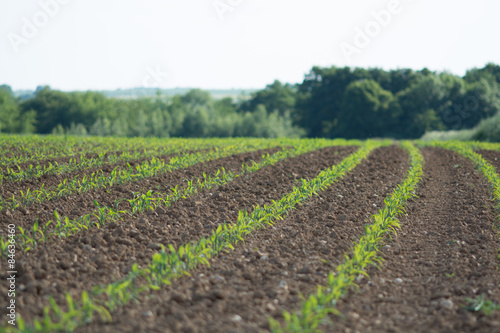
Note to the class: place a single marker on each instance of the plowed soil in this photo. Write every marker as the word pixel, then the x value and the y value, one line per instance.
pixel 77 205
pixel 491 156
pixel 105 255
pixel 50 181
pixel 445 253
pixel 267 274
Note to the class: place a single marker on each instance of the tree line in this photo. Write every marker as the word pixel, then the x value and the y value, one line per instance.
pixel 330 102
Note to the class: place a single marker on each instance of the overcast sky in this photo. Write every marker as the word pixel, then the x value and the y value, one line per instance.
pixel 211 44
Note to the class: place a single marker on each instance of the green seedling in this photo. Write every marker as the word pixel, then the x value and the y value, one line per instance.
pixel 3 247
pixel 480 304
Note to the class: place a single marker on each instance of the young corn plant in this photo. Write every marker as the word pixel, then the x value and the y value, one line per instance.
pixel 26 240
pixel 4 245
pixel 480 304
pixel 143 202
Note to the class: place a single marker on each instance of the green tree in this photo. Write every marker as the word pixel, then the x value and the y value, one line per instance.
pixel 196 97
pixel 481 100
pixel 490 72
pixel 225 106
pixel 119 127
pixel 320 97
pixel 76 129
pixel 275 97
pixel 156 123
pixel 10 112
pixel 52 108
pixel 177 113
pixel 365 112
pixel 419 103
pixel 196 122
pixel 140 125
pixel 27 123
pixel 102 127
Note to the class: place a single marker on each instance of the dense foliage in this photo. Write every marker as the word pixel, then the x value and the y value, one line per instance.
pixel 330 102
pixel 362 103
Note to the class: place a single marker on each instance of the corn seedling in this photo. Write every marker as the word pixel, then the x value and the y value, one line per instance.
pixel 480 304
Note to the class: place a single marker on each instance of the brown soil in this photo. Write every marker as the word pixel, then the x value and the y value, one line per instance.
pixel 105 255
pixel 50 181
pixel 492 156
pixel 446 252
pixel 267 273
pixel 77 205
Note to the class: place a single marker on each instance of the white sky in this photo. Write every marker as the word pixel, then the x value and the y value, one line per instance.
pixel 109 44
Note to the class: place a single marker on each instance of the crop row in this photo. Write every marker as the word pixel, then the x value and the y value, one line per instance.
pixel 82 162
pixel 481 164
pixel 171 263
pixel 153 167
pixel 147 169
pixel 38 148
pixel 315 308
pixel 62 227
pixel 480 145
pixel 16 150
pixel 25 148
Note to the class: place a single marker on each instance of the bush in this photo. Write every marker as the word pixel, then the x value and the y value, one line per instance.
pixel 487 130
pixel 463 135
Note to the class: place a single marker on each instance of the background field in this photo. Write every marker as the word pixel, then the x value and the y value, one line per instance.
pixel 212 235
